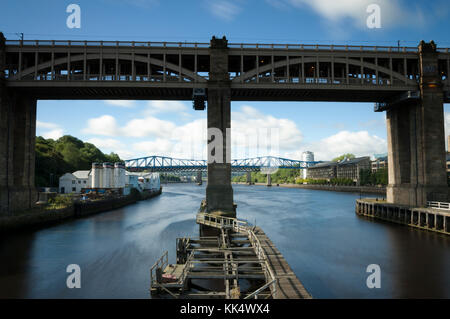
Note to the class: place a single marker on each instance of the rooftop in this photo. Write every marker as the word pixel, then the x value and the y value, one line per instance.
pixel 81 174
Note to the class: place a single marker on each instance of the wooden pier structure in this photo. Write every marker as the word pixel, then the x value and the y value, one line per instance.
pixel 240 263
pixel 435 217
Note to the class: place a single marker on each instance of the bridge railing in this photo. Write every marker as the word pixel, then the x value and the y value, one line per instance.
pixel 75 43
pixel 327 47
pixel 162 263
pixel 242 226
pixel 170 44
pixel 103 77
pixel 438 205
pixel 221 221
pixel 322 80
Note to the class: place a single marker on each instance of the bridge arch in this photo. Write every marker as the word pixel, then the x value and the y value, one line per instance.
pixel 90 57
pixel 302 61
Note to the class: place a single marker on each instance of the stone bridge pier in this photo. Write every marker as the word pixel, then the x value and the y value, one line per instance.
pixel 249 177
pixel 219 193
pixel 198 179
pixel 17 143
pixel 269 180
pixel 416 141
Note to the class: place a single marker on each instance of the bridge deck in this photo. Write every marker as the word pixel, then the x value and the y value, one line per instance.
pixel 288 285
pixel 240 252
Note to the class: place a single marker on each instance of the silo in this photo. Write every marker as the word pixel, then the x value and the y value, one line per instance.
pixel 96 175
pixel 119 175
pixel 107 175
pixel 307 156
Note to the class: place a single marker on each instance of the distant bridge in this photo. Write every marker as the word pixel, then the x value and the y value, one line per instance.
pixel 168 164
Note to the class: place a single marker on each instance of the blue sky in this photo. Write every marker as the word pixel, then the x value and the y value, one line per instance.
pixel 328 129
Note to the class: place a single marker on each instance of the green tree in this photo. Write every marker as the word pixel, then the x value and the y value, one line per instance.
pixel 340 158
pixel 67 154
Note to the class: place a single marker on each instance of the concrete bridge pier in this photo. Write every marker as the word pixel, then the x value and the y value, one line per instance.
pixel 199 177
pixel 416 141
pixel 17 143
pixel 17 153
pixel 249 178
pixel 269 180
pixel 219 193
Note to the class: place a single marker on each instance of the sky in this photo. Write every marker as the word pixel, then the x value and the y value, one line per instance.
pixel 171 128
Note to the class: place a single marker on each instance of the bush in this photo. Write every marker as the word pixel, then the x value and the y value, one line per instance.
pixel 60 201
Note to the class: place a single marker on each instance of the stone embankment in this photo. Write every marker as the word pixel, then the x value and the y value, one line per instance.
pixel 334 188
pixel 41 217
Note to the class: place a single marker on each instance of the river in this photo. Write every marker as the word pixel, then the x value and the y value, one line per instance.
pixel 327 245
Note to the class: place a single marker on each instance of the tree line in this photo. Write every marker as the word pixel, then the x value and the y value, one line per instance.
pixel 67 154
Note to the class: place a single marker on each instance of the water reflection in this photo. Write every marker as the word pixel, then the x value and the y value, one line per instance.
pixel 326 244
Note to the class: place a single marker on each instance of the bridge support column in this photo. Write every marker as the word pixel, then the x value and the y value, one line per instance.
pixel 17 143
pixel 17 154
pixel 219 193
pixel 416 141
pixel 199 177
pixel 249 178
pixel 269 180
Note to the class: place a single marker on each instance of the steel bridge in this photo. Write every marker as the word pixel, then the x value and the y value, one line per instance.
pixel 170 70
pixel 410 83
pixel 169 164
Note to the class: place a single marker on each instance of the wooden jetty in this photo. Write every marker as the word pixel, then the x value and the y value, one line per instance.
pixel 242 262
pixel 435 217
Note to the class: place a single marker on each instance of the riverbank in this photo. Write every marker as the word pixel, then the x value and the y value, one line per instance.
pixel 41 217
pixel 334 188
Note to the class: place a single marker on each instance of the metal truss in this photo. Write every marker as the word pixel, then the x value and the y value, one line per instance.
pixel 168 164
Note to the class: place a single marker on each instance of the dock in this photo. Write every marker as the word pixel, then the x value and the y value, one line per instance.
pixel 240 263
pixel 434 218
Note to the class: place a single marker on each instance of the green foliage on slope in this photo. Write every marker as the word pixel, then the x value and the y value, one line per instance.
pixel 65 155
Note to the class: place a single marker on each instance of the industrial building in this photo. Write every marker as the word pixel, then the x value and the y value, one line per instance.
pixel 326 170
pixel 347 168
pixel 74 182
pixel 307 156
pixel 379 163
pixel 104 176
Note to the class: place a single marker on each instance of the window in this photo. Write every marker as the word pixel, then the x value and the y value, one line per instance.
pixel 79 182
pixel 84 182
pixel 74 189
pixel 73 182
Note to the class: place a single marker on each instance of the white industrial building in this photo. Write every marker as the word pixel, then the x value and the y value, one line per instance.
pixel 307 156
pixel 74 182
pixel 143 181
pixel 108 176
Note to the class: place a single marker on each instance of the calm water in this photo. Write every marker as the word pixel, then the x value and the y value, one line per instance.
pixel 326 244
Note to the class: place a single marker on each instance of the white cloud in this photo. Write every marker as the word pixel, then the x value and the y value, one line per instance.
pixel 159 146
pixel 154 136
pixel 104 125
pixel 121 103
pixel 257 134
pixel 359 143
pixel 148 127
pixel 392 12
pixel 51 130
pixel 155 107
pixel 107 143
pixel 224 10
pixel 53 134
pixel 46 125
